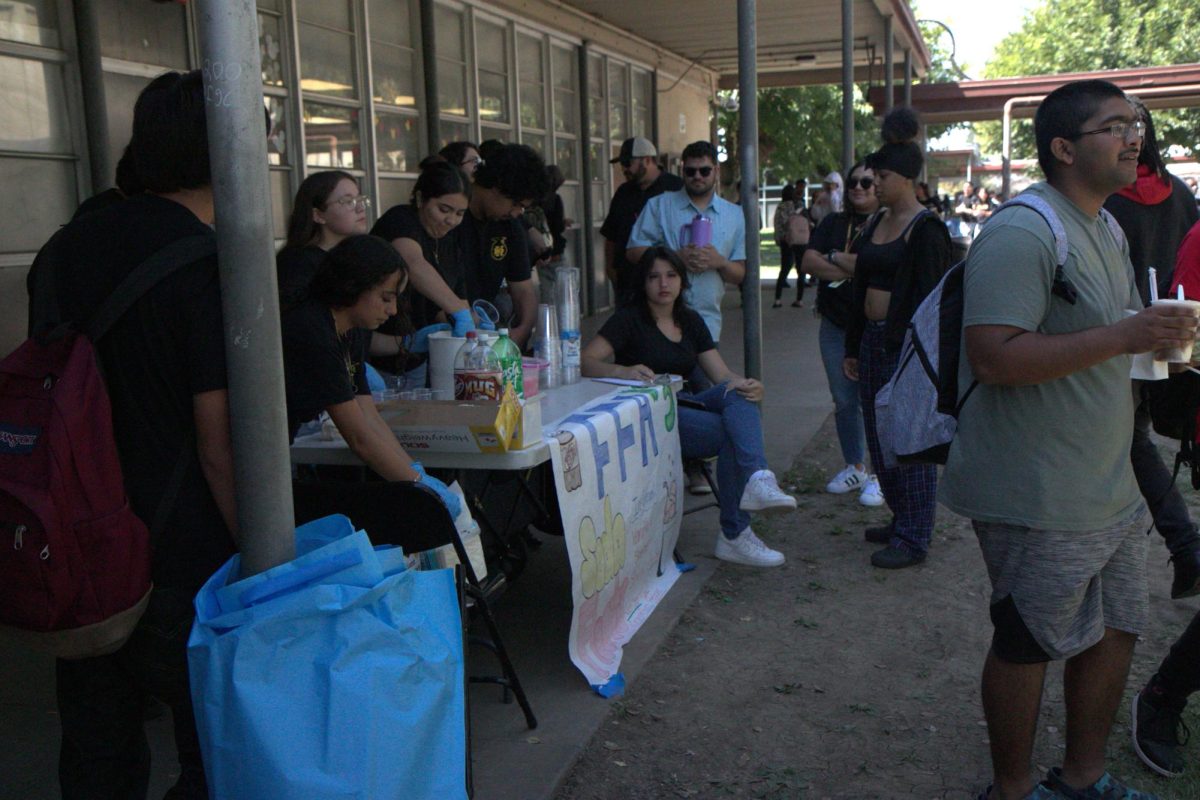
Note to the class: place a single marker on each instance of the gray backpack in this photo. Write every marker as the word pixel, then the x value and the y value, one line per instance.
pixel 916 412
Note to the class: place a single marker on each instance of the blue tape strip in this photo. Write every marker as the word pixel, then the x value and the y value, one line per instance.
pixel 614 688
pixel 683 566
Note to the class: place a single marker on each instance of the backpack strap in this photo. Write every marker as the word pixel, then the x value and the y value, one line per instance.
pixel 145 276
pixel 1114 227
pixel 1047 212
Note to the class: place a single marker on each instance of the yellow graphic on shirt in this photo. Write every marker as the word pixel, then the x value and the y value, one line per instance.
pixel 499 248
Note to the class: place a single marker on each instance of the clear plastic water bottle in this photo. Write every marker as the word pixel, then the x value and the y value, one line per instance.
pixel 509 356
pixel 477 374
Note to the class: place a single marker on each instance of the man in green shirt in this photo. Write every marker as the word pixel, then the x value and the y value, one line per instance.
pixel 1040 462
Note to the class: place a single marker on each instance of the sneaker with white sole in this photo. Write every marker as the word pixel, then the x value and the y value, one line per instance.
pixel 762 493
pixel 847 480
pixel 747 549
pixel 697 483
pixel 871 494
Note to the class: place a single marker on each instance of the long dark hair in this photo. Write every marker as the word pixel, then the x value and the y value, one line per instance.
pixel 355 265
pixel 438 178
pixel 313 194
pixel 1150 154
pixel 636 296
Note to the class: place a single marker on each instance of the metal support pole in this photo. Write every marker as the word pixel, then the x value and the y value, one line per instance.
pixel 432 109
pixel 847 85
pixel 748 159
pixel 908 77
pixel 590 233
pixel 889 66
pixel 229 57
pixel 91 81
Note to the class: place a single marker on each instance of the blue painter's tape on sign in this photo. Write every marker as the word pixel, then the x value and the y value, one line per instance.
pixel 683 566
pixel 614 688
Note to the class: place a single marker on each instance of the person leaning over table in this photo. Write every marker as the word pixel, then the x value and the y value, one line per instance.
pixel 355 288
pixel 655 332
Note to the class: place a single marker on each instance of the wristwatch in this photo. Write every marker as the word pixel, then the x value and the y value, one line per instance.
pixel 830 256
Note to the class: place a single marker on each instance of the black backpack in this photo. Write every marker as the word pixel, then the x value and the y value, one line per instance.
pixel 1174 404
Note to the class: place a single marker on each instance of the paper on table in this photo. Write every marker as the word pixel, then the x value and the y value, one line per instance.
pixel 665 379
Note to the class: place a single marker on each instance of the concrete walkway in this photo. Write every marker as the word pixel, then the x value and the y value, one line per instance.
pixel 510 762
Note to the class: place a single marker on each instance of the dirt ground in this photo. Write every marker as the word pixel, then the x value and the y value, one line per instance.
pixel 827 678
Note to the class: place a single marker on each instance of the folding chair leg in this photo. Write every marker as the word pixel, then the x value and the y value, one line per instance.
pixel 510 673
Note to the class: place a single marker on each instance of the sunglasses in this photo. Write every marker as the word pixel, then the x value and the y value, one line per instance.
pixel 865 183
pixel 692 172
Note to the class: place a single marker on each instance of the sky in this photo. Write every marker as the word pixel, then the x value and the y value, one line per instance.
pixel 978 26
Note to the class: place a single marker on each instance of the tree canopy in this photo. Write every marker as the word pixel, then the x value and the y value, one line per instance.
pixel 1085 35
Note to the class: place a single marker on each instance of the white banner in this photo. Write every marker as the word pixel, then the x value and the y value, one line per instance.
pixel 619 477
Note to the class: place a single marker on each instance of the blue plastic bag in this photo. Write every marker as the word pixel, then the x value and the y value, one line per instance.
pixel 336 675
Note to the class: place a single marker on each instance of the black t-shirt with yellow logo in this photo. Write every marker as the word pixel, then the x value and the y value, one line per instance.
pixel 493 251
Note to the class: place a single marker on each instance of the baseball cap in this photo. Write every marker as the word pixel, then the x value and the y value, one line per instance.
pixel 637 147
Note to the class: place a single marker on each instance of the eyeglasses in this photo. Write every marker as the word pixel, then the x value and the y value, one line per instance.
pixel 360 203
pixel 477 161
pixel 1119 130
pixel 865 183
pixel 691 172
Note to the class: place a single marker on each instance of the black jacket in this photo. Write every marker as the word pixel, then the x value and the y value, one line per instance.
pixel 1154 232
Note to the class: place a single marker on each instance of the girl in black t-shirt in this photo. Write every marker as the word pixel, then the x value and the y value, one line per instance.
pixel 655 332
pixel 355 287
pixel 327 209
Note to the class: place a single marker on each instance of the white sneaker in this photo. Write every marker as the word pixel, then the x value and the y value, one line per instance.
pixel 849 478
pixel 762 493
pixel 871 494
pixel 747 549
pixel 697 484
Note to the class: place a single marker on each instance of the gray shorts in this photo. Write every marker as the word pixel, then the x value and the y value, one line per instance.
pixel 1066 586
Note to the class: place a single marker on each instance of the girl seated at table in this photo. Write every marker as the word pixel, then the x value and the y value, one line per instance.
pixel 355 287
pixel 654 332
pixel 328 208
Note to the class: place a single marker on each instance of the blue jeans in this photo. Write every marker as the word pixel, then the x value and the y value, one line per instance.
pixel 847 406
pixel 730 428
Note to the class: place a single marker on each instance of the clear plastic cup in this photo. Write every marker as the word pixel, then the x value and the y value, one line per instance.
pixel 422 394
pixel 408 394
pixel 1183 353
pixel 441 394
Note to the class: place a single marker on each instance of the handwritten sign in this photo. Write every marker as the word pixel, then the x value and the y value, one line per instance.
pixel 618 473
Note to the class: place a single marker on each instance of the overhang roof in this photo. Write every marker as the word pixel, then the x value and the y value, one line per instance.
pixel 1174 86
pixel 798 42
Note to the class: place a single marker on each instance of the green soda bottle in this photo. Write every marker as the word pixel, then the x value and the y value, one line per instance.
pixel 509 356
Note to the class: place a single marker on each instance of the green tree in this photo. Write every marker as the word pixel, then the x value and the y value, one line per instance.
pixel 1085 35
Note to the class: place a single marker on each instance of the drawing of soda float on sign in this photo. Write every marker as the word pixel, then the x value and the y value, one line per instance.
pixel 572 473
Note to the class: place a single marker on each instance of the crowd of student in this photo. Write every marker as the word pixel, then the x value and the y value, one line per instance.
pixel 1053 425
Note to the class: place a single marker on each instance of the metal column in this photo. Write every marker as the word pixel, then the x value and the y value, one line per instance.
pixel 908 76
pixel 748 159
pixel 228 34
pixel 432 108
pixel 847 85
pixel 889 68
pixel 91 80
pixel 590 232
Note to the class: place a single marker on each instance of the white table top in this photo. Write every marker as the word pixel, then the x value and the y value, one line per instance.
pixel 557 404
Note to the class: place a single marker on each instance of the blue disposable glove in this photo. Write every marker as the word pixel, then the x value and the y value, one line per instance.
pixel 486 324
pixel 419 341
pixel 419 467
pixel 463 322
pixel 448 498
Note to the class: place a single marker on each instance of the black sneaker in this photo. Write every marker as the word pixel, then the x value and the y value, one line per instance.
pixel 895 558
pixel 1156 732
pixel 1187 575
pixel 880 535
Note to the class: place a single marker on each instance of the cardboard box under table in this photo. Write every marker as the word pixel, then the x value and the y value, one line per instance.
pixel 463 427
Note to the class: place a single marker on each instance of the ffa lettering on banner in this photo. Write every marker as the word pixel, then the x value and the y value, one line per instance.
pixel 618 473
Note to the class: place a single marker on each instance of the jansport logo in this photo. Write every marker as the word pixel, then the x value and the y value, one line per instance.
pixel 17 441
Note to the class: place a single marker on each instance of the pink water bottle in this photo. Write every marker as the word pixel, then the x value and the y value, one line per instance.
pixel 698 232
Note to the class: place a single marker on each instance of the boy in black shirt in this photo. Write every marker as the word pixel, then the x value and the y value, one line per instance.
pixel 495 247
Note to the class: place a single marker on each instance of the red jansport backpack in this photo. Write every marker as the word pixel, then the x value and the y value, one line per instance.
pixel 74 558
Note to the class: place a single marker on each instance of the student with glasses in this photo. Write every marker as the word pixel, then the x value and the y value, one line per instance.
pixel 464 155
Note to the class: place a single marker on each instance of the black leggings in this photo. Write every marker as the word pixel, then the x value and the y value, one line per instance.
pixel 1179 673
pixel 791 255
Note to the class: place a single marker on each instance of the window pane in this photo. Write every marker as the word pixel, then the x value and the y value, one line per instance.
pixel 566 111
pixel 493 98
pixel 31 217
pixel 394 192
pixel 451 132
pixel 281 201
pixel 397 142
pixel 35 106
pixel 597 111
pixel 331 136
pixel 391 21
pixel 333 13
pixel 151 33
pixel 562 61
pixel 272 5
pixel 598 161
pixel 599 202
pixel 491 46
pixel 270 46
pixel 29 21
pixel 618 117
pixel 452 87
pixel 537 143
pixel 326 62
pixel 120 93
pixel 393 71
pixel 564 156
pixel 449 25
pixel 533 105
pixel 277 143
pixel 641 103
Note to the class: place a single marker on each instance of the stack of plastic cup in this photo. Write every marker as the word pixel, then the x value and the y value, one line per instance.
pixel 566 292
pixel 547 347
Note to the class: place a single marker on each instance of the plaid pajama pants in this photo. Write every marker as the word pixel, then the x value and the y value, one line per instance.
pixel 909 489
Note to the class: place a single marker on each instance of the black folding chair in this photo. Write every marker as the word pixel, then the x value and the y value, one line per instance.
pixel 411 515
